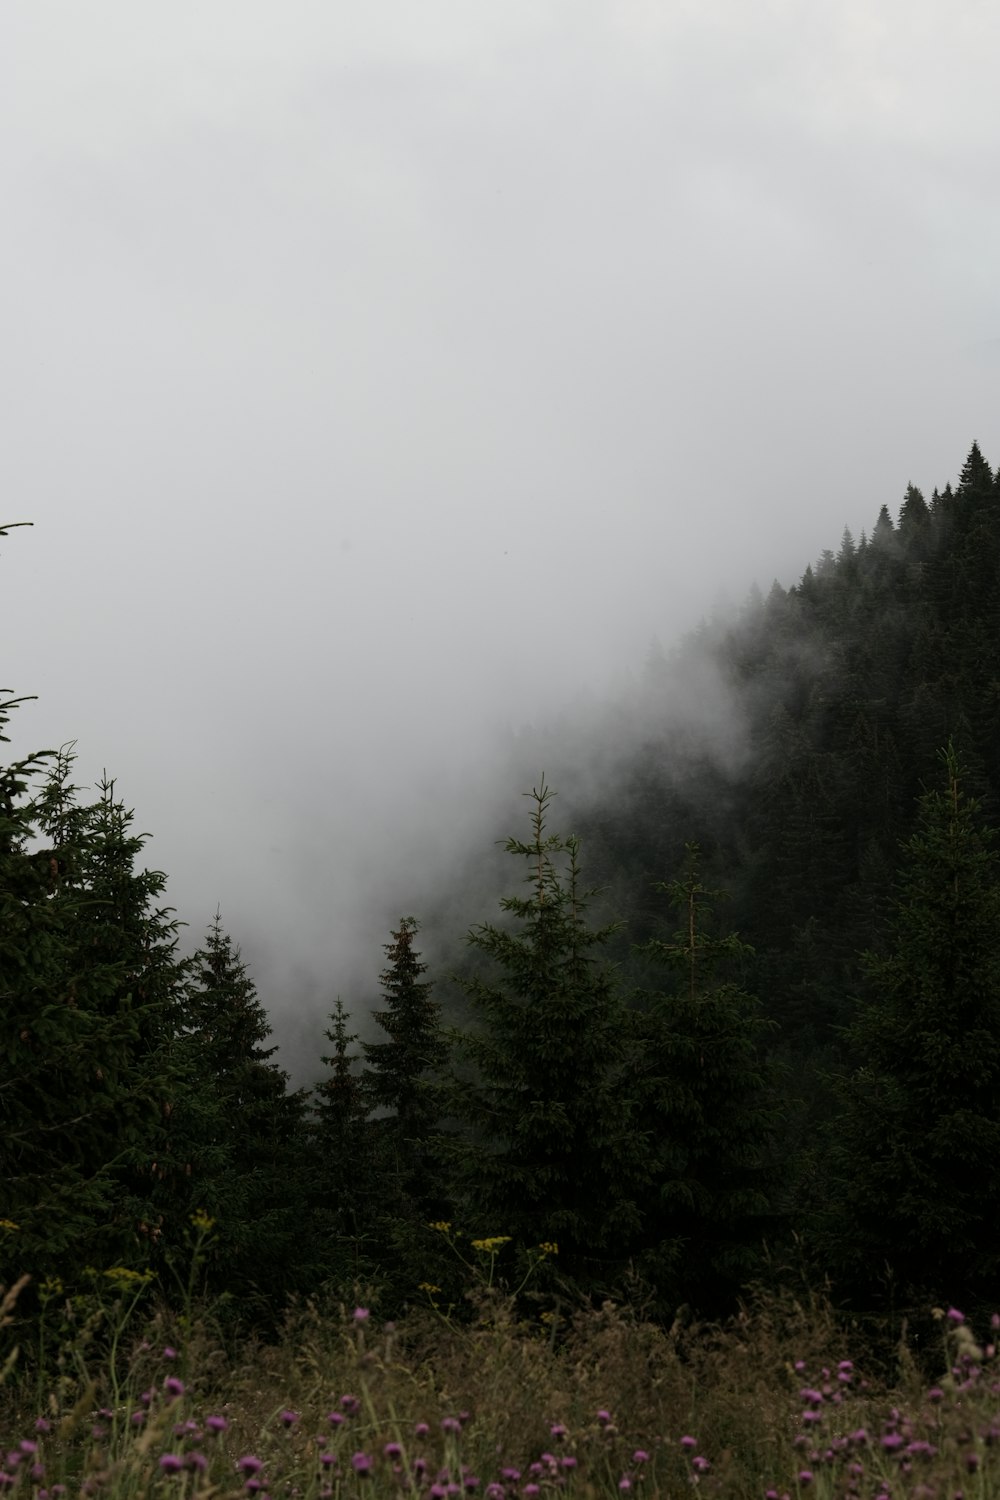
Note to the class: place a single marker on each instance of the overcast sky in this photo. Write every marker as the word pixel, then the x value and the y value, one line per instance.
pixel 379 376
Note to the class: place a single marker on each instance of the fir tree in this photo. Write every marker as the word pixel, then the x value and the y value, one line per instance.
pixel 342 1137
pixel 399 1072
pixel 253 1132
pixel 917 1146
pixel 707 1108
pixel 548 1131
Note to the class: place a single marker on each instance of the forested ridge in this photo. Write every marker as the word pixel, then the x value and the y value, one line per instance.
pixel 782 1061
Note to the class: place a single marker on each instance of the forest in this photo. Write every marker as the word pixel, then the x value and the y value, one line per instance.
pixel 737 1026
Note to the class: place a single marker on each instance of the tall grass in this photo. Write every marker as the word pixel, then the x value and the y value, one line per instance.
pixel 775 1403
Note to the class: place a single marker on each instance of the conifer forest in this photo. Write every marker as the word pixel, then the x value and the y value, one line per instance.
pixel 734 1024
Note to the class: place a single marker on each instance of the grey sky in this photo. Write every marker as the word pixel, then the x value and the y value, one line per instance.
pixel 378 376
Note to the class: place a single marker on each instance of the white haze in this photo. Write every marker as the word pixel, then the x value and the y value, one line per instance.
pixel 382 378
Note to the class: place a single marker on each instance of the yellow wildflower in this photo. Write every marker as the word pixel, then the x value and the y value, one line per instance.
pixel 202 1220
pixel 549 1247
pixel 9 1225
pixel 443 1226
pixel 428 1286
pixel 492 1245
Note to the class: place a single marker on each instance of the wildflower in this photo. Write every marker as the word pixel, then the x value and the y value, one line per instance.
pixel 419 1467
pixel 9 1225
pixel 171 1463
pixel 935 1393
pixel 689 1442
pixel 216 1424
pixel 289 1418
pixel 169 1353
pixel 443 1226
pixel 41 1425
pixel 249 1464
pixel 549 1247
pixel 640 1456
pixel 202 1221
pixel 954 1316
pixel 450 1424
pixel 361 1315
pixel 510 1475
pixel 701 1464
pixel 531 1489
pixel 392 1450
pixel 361 1464
pixel 604 1417
pixel 421 1429
pixel 335 1418
pixel 805 1476
pixel 470 1483
pixel 624 1482
pixel 891 1442
pixel 173 1386
pixel 328 1460
pixel 197 1461
pixel 137 1418
pixel 567 1461
pixel 492 1245
pixel 495 1491
pixel 557 1430
pixel 351 1405
pixel 429 1287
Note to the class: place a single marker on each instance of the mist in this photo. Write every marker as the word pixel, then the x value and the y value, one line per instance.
pixel 382 383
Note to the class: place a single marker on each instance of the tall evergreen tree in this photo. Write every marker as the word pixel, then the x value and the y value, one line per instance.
pixel 916 1150
pixel 547 1146
pixel 707 1108
pixel 399 1075
pixel 253 1132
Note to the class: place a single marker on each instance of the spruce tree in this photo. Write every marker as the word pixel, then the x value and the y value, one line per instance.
pixel 916 1190
pixel 253 1129
pixel 399 1073
pixel 707 1108
pixel 345 1191
pixel 547 1146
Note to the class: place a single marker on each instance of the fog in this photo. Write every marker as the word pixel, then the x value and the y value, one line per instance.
pixel 381 380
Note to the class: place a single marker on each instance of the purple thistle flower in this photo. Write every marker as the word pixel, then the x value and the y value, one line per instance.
pixel 253 1485
pixel 328 1460
pixel 701 1464
pixel 351 1405
pixel 470 1483
pixel 361 1464
pixel 421 1429
pixel 954 1316
pixel 171 1463
pixel 604 1417
pixel 891 1441
pixel 361 1315
pixel 335 1418
pixel 510 1475
pixel 805 1476
pixel 450 1424
pixel 289 1418
pixel 531 1489
pixel 169 1353
pixel 249 1464
pixel 42 1425
pixel 568 1462
pixel 392 1450
pixel 935 1393
pixel 689 1442
pixel 640 1456
pixel 495 1491
pixel 197 1461
pixel 557 1430
pixel 216 1424
pixel 624 1482
pixel 173 1386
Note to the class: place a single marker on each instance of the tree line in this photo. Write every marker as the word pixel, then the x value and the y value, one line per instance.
pixel 668 1108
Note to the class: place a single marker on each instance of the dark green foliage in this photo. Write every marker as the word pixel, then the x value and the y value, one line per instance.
pixel 547 1144
pixel 342 1141
pixel 399 1080
pixel 917 1147
pixel 707 1109
pixel 251 1131
pixel 90 982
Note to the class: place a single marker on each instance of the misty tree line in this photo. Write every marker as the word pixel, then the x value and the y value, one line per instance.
pixel 681 1109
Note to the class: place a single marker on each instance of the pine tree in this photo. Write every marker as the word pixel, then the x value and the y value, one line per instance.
pixel 346 1192
pixel 917 1146
pixel 400 1072
pixel 547 1148
pixel 707 1108
pixel 252 1128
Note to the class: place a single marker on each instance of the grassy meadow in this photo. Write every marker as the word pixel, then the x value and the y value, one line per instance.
pixel 491 1399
